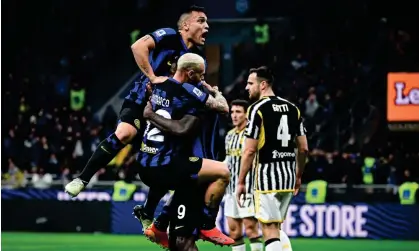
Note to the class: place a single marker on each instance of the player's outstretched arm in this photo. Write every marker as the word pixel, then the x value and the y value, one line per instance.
pixel 176 127
pixel 141 50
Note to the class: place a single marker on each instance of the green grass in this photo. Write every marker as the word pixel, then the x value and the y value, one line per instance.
pixel 106 242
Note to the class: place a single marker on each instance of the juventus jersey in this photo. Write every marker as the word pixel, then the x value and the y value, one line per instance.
pixel 234 144
pixel 275 122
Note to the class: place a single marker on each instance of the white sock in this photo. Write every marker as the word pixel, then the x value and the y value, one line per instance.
pixel 241 247
pixel 274 246
pixel 285 241
pixel 256 246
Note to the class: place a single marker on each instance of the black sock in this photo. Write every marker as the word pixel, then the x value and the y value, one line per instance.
pixel 163 219
pixel 209 217
pixel 153 198
pixel 105 152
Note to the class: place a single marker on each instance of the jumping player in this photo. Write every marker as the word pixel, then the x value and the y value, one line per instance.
pixel 154 53
pixel 164 161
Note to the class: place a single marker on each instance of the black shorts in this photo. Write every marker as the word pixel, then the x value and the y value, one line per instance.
pixel 186 210
pixel 180 173
pixel 132 113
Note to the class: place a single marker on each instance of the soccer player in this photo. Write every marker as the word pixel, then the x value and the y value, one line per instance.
pixel 274 124
pixel 154 53
pixel 163 156
pixel 239 216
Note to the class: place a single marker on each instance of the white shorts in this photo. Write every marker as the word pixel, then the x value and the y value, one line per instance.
pixel 233 210
pixel 272 206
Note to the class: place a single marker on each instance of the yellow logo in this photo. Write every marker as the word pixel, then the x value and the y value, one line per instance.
pixel 169 63
pixel 137 123
pixel 193 159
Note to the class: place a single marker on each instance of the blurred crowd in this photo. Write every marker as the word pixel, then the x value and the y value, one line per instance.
pixel 334 71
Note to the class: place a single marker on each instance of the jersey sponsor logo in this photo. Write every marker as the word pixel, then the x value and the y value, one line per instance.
pixel 197 92
pixel 160 33
pixel 193 159
pixel 137 123
pixel 280 108
pixel 280 155
pixel 159 100
pixel 148 149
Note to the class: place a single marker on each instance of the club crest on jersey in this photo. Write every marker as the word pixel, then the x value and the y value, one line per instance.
pixel 193 159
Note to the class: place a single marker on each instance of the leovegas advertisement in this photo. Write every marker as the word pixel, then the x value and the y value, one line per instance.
pixel 403 97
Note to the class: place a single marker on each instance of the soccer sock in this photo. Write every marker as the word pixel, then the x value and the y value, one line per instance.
pixel 105 152
pixel 256 244
pixel 239 245
pixel 208 221
pixel 273 244
pixel 153 198
pixel 285 241
pixel 163 219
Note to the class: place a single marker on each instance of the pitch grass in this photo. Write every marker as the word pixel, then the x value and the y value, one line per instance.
pixel 105 242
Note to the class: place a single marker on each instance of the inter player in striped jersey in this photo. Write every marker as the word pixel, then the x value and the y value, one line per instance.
pixel 154 53
pixel 239 216
pixel 275 128
pixel 165 151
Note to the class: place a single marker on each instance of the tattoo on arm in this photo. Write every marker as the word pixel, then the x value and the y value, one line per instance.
pixel 218 103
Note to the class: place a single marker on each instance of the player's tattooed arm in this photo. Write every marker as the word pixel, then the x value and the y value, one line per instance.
pixel 176 127
pixel 218 102
pixel 141 50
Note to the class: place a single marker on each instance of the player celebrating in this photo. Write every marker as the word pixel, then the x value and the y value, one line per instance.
pixel 274 124
pixel 163 157
pixel 154 53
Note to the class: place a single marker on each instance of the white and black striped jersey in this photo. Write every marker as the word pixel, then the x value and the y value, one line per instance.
pixel 275 122
pixel 234 143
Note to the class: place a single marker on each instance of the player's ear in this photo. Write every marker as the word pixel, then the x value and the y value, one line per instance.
pixel 190 74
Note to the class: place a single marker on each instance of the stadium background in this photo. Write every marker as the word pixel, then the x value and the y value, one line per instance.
pixel 330 58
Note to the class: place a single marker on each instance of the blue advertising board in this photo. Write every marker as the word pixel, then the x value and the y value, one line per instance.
pixel 371 221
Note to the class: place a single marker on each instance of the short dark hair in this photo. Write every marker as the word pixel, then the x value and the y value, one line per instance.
pixel 263 73
pixel 194 8
pixel 240 102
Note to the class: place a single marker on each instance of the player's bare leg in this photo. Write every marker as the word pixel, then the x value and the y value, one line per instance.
pixel 220 175
pixel 105 152
pixel 271 236
pixel 251 227
pixel 236 230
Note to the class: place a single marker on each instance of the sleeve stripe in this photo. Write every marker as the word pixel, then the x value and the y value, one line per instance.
pixel 253 110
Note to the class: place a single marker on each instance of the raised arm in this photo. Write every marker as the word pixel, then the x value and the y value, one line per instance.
pixel 143 46
pixel 141 50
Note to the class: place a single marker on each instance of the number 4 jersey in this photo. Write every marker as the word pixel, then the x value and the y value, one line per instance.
pixel 172 100
pixel 274 122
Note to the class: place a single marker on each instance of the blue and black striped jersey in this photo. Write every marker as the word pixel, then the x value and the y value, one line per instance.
pixel 172 100
pixel 169 47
